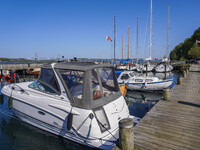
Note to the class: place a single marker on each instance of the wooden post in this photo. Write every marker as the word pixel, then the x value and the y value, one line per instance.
pixel 166 93
pixel 126 135
pixel 179 81
pixel 184 74
pixel 187 70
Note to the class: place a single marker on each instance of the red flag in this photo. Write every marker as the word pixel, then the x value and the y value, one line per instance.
pixel 108 38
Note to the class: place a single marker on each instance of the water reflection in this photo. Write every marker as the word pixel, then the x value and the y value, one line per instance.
pixel 140 103
pixel 16 134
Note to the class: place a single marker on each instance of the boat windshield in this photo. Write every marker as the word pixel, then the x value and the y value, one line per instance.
pixel 107 81
pixel 74 81
pixel 90 88
pixel 46 82
pixel 125 77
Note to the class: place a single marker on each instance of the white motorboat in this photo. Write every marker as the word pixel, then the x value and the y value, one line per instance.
pixel 78 101
pixel 143 83
pixel 161 68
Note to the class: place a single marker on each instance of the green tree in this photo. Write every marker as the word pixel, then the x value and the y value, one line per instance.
pixel 173 55
pixel 194 51
pixel 187 49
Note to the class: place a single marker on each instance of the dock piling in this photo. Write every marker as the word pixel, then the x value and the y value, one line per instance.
pixel 166 93
pixel 126 134
pixel 184 74
pixel 179 81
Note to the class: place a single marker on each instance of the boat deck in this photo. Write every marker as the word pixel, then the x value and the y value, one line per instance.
pixel 173 124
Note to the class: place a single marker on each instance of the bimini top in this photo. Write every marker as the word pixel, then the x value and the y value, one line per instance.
pixel 88 85
pixel 76 66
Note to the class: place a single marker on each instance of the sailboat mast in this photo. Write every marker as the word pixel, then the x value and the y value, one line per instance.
pixel 122 46
pixel 128 42
pixel 167 46
pixel 137 38
pixel 114 35
pixel 150 32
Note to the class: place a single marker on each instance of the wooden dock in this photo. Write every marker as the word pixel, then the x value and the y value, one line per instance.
pixel 173 124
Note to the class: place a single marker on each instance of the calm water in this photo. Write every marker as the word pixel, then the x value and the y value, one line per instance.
pixel 17 135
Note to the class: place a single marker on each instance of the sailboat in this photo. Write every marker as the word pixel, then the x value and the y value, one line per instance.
pixel 167 67
pixel 149 66
pixel 124 63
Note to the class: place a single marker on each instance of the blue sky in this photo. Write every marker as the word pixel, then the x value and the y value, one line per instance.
pixel 78 28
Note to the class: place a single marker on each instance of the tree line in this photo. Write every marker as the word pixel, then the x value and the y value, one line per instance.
pixel 189 49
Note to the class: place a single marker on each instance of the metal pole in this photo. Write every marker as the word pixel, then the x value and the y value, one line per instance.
pixel 150 32
pixel 167 46
pixel 128 42
pixel 137 38
pixel 122 46
pixel 114 35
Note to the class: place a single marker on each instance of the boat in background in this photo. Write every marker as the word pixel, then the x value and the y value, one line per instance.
pixel 145 67
pixel 133 67
pixel 143 83
pixel 161 68
pixel 36 71
pixel 122 67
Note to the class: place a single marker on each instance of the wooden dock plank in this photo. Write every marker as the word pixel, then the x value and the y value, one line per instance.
pixel 173 124
pixel 170 143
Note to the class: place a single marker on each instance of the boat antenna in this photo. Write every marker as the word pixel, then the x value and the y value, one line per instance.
pixel 114 35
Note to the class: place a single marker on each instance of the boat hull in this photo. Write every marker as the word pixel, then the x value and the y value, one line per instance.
pixel 161 68
pixel 151 86
pixel 58 130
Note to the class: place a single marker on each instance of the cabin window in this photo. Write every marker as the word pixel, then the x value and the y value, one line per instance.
pixel 148 80
pixel 138 80
pixel 95 85
pixel 125 77
pixel 74 81
pixel 131 75
pixel 46 82
pixel 107 80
